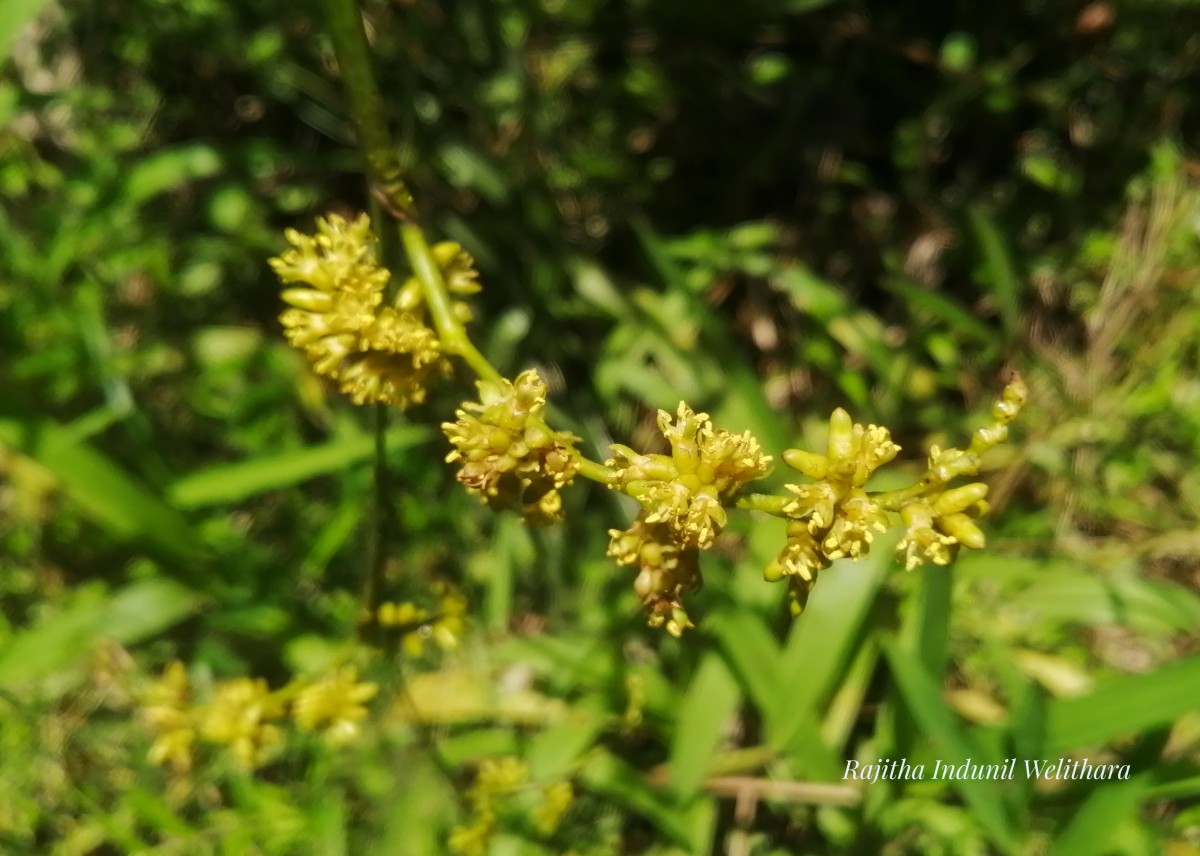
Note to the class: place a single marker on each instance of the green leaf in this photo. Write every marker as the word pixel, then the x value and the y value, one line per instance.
pixel 15 15
pixel 611 777
pixel 818 652
pixel 153 811
pixel 328 821
pixel 105 492
pixel 168 169
pixel 752 653
pixel 226 483
pixel 999 267
pixel 712 698
pixel 553 752
pixel 923 698
pixel 135 612
pixel 921 299
pixel 465 166
pixel 1123 706
pixel 1091 830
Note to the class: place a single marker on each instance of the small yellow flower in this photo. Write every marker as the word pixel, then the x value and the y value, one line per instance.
pixel 240 716
pixel 458 268
pixel 410 617
pixel 936 526
pixel 377 355
pixel 473 839
pixel 500 776
pixel 665 570
pixel 344 286
pixel 398 357
pixel 556 801
pixel 165 710
pixel 833 518
pixel 334 705
pixel 444 625
pixel 450 624
pixel 508 455
pixel 687 489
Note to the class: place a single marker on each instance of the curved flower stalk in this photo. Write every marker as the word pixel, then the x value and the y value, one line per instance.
pixel 834 517
pixel 512 460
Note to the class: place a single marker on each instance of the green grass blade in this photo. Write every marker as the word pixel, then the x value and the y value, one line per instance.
pixel 328 822
pixel 1091 830
pixel 106 493
pixel 945 310
pixel 751 651
pixel 711 700
pixel 922 696
pixel 819 651
pixel 998 263
pixel 609 776
pixel 14 16
pixel 237 481
pixel 134 613
pixel 1123 706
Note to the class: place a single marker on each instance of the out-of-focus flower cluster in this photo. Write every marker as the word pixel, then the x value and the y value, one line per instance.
pixel 247 717
pixel 497 781
pixel 443 624
pixel 834 517
pixel 508 456
pixel 335 291
pixel 683 497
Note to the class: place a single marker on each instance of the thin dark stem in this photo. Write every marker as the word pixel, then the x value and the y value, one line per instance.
pixel 344 21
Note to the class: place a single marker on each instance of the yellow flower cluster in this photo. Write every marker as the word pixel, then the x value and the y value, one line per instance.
pixel 687 489
pixel 244 715
pixel 444 625
pixel 683 497
pixel 942 519
pixel 834 517
pixel 665 570
pixel 496 780
pixel 557 799
pixel 509 457
pixel 334 705
pixel 241 716
pixel 388 350
pixel 165 708
pixel 377 354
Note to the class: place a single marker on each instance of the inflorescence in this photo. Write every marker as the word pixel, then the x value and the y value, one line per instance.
pixel 337 317
pixel 245 716
pixel 511 459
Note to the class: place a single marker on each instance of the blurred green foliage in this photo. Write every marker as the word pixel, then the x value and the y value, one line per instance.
pixel 767 211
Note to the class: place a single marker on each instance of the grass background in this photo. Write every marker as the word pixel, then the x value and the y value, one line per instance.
pixel 767 212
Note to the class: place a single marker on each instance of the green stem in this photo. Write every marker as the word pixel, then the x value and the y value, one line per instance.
pixel 765 502
pixel 596 472
pixel 433 286
pixel 894 500
pixel 344 22
pixel 343 19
